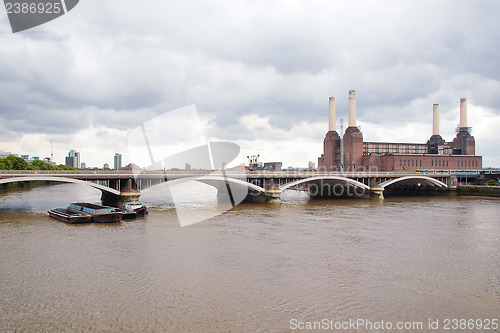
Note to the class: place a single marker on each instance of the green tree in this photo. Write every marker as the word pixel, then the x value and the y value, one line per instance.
pixel 41 165
pixel 18 163
pixel 64 167
pixel 6 164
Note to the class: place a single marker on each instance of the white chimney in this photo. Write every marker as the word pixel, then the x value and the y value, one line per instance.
pixel 331 119
pixel 463 112
pixel 435 119
pixel 352 108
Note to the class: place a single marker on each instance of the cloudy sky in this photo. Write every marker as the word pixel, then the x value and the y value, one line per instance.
pixel 259 73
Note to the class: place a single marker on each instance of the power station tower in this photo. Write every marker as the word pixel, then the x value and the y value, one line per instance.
pixel 342 145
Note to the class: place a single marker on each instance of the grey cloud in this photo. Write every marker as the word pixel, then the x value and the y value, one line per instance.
pixel 118 60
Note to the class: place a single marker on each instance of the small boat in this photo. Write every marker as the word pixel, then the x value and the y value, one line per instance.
pixel 140 209
pixel 128 213
pixel 132 211
pixel 69 216
pixel 97 213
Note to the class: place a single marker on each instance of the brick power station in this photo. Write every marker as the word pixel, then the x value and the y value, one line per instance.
pixel 436 154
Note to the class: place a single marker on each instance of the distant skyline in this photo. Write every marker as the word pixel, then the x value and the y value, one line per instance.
pixel 260 74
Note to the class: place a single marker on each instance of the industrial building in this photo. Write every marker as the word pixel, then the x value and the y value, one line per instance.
pixel 273 166
pixel 351 153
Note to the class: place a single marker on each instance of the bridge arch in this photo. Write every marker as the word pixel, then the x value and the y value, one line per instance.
pixel 102 188
pixel 414 181
pixel 217 181
pixel 229 190
pixel 320 178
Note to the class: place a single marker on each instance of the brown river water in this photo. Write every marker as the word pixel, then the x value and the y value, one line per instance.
pixel 255 268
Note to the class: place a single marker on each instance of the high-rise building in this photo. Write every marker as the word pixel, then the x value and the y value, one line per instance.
pixel 77 162
pixel 118 161
pixel 73 159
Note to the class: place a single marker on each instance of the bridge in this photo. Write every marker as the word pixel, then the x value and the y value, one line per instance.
pixel 119 187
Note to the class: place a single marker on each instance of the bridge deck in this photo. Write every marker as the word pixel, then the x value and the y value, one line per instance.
pixel 101 174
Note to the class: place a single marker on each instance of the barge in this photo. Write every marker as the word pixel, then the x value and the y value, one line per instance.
pixel 69 216
pixel 97 213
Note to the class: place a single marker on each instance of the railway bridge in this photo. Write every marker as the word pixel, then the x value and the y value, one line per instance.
pixel 119 187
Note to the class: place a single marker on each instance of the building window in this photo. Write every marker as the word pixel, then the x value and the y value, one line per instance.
pixel 458 163
pixel 439 162
pixel 404 162
pixel 476 163
pixel 432 162
pixel 400 162
pixel 412 162
pixel 446 162
pixel 420 162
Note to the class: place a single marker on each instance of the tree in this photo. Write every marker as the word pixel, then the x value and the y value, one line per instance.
pixel 41 165
pixel 18 163
pixel 65 167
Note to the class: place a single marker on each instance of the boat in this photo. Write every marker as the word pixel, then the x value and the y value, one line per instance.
pixel 139 208
pixel 69 216
pixel 132 211
pixel 128 213
pixel 97 213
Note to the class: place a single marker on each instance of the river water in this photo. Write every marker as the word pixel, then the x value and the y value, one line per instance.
pixel 256 268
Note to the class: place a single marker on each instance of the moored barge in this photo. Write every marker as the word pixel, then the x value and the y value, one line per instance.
pixel 69 216
pixel 97 213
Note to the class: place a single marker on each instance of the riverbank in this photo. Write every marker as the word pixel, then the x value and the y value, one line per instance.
pixel 476 190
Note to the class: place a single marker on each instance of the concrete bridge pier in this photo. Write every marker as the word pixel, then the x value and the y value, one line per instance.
pixel 452 183
pixel 375 189
pixel 377 192
pixel 123 198
pixel 272 193
pixel 128 194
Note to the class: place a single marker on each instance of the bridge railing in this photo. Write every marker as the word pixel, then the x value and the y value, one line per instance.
pixel 283 174
pixel 60 172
